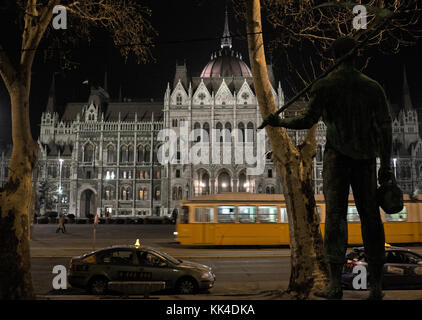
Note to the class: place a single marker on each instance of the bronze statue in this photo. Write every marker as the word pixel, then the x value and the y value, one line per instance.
pixel 354 109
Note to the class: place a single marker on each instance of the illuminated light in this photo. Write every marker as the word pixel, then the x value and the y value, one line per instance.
pixel 202 184
pixel 137 244
pixel 175 233
pixel 387 245
pixel 246 184
pixel 224 184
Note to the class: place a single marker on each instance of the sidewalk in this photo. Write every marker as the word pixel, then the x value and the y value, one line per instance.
pixel 264 295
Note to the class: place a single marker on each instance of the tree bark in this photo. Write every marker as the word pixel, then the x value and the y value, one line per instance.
pixel 294 167
pixel 15 202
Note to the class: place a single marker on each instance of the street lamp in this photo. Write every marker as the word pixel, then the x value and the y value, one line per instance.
pixel 395 166
pixel 60 191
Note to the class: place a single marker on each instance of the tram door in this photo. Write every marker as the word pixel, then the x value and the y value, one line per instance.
pixel 206 216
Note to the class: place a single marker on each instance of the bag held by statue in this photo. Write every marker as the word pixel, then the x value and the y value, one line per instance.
pixel 390 197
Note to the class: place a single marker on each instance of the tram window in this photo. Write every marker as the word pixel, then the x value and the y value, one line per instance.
pixel 204 214
pixel 246 214
pixel 283 214
pixel 226 214
pixel 267 214
pixel 401 216
pixel 352 214
pixel 284 217
pixel 184 217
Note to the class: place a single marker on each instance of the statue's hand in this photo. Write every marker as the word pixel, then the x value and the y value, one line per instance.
pixel 273 120
pixel 385 175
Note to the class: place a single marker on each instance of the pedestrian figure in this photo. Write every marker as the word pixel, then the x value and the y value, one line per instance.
pixel 354 109
pixel 61 224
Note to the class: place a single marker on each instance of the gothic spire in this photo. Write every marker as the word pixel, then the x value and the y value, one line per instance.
pixel 407 101
pixel 226 41
pixel 51 96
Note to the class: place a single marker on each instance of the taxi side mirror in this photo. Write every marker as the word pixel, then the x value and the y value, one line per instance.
pixel 162 264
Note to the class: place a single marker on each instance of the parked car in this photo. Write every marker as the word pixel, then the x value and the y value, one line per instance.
pixel 93 271
pixel 402 268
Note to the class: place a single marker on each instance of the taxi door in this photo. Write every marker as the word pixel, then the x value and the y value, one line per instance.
pixel 157 268
pixel 120 265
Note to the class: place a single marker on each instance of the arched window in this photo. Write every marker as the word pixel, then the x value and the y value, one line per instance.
pixel 123 154
pixel 242 182
pixel 197 132
pixel 130 154
pixel 143 194
pixel 111 154
pixel 108 193
pixel 204 184
pixel 147 154
pixel 206 128
pixel 140 153
pixel 227 136
pixel 241 137
pixel 88 152
pixel 157 173
pixel 179 193
pixel 224 182
pixel 179 99
pixel 125 193
pixel 157 194
pixel 250 132
pixel 219 128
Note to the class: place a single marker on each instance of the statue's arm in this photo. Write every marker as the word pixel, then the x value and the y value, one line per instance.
pixel 305 120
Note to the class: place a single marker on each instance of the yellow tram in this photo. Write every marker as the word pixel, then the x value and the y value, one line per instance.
pixel 261 219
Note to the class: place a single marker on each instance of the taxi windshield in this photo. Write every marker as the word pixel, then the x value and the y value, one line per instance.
pixel 166 256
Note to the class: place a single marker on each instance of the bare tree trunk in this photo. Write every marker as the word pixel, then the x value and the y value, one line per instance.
pixel 15 203
pixel 294 167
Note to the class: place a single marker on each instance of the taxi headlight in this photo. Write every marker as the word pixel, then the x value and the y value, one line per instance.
pixel 207 276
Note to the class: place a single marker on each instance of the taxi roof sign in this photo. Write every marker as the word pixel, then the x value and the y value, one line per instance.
pixel 137 244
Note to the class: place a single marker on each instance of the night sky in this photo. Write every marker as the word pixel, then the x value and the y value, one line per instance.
pixel 188 31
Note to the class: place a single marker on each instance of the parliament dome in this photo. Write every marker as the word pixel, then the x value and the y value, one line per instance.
pixel 226 63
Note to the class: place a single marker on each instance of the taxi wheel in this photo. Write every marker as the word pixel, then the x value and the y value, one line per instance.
pixel 186 286
pixel 98 285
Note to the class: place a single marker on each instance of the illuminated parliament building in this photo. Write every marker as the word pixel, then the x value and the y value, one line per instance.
pixel 100 156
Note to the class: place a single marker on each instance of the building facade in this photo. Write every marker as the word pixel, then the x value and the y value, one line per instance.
pixel 107 157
